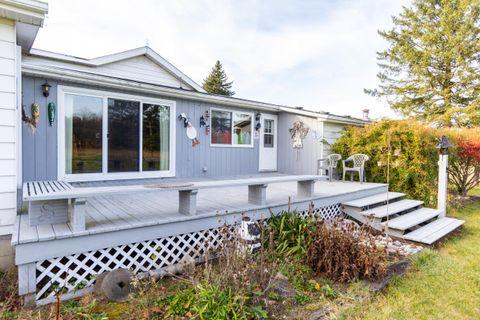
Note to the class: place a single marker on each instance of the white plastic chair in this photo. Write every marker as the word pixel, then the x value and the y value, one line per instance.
pixel 358 160
pixel 330 164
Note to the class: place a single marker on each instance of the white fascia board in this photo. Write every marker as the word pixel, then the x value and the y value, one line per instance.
pixel 26 11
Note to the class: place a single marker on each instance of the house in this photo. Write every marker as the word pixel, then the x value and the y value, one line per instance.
pixel 102 159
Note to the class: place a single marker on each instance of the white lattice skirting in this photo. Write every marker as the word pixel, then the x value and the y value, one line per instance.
pixel 78 271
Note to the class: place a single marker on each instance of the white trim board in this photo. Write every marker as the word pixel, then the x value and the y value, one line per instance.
pixel 62 90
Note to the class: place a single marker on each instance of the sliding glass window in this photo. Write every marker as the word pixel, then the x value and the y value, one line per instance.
pixel 120 136
pixel 83 134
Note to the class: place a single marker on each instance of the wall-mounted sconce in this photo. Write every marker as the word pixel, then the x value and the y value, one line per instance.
pixel 257 116
pixel 46 89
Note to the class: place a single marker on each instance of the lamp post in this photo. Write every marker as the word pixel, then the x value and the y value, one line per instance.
pixel 442 147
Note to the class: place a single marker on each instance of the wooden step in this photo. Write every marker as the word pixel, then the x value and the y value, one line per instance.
pixel 411 219
pixel 375 199
pixel 434 231
pixel 392 208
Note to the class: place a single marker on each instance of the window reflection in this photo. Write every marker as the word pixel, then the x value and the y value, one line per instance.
pixel 156 137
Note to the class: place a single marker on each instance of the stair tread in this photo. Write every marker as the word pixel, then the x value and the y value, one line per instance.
pixel 392 208
pixel 378 198
pixel 435 230
pixel 412 219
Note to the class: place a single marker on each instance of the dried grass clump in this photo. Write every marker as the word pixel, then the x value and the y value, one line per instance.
pixel 344 252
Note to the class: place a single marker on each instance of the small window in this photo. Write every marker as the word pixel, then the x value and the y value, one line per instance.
pixel 231 128
pixel 268 137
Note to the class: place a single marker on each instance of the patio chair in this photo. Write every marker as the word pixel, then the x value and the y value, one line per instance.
pixel 329 164
pixel 358 160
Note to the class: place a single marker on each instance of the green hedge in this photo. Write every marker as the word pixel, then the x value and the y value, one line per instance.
pixel 413 162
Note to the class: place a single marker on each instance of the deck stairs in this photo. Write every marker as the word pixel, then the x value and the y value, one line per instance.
pixel 402 218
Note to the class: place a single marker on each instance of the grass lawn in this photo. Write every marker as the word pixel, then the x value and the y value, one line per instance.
pixel 443 284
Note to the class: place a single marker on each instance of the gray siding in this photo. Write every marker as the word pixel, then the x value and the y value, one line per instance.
pixel 312 146
pixel 40 148
pixel 331 132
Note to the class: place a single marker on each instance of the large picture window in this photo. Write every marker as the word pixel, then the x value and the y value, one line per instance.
pixel 110 136
pixel 231 128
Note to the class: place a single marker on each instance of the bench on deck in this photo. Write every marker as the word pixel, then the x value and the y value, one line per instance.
pixel 51 202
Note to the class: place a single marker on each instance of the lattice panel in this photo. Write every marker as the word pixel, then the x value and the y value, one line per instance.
pixel 79 270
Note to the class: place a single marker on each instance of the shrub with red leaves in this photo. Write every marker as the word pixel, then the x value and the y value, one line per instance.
pixel 464 168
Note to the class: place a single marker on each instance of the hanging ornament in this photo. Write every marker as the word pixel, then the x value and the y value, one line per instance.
pixel 35 113
pixel 51 113
pixel 298 133
pixel 190 130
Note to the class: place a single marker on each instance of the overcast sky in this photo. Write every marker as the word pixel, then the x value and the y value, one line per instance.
pixel 315 54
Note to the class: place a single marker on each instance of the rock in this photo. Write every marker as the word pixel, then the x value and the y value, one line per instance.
pixel 321 314
pixel 398 268
pixel 282 286
pixel 397 243
pixel 114 285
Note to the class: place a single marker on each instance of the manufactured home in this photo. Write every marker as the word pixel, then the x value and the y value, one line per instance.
pixel 123 161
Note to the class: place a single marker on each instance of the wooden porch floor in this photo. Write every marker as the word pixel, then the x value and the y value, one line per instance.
pixel 119 212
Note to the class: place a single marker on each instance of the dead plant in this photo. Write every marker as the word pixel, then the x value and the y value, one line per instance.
pixel 343 252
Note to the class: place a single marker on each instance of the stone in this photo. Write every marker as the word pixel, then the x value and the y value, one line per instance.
pixel 115 285
pixel 282 286
pixel 395 269
pixel 321 314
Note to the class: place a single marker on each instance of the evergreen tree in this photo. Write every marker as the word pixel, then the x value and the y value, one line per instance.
pixel 217 81
pixel 431 69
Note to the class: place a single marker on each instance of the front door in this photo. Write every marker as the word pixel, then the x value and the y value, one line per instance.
pixel 268 143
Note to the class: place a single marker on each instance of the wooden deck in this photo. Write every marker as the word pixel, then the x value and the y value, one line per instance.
pixel 120 212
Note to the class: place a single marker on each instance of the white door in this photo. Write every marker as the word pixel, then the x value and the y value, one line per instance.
pixel 268 143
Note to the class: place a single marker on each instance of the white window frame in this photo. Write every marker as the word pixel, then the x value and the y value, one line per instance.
pixel 105 175
pixel 232 145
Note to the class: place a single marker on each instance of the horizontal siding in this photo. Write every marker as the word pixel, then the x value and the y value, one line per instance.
pixel 7 117
pixel 7 100
pixel 7 66
pixel 7 49
pixel 142 69
pixel 8 184
pixel 7 83
pixel 138 68
pixel 7 150
pixel 8 167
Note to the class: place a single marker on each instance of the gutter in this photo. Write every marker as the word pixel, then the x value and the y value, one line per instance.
pixel 121 84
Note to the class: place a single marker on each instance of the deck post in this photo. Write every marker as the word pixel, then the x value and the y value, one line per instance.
pixel 76 213
pixel 257 194
pixel 305 188
pixel 187 201
pixel 27 283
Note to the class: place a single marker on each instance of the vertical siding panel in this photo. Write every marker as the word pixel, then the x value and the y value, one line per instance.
pixel 51 136
pixel 28 143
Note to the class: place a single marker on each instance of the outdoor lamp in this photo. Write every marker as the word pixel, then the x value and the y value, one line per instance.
pixel 46 89
pixel 257 116
pixel 443 145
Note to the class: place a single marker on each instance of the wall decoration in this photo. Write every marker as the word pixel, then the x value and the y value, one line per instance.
pixel 190 130
pixel 205 122
pixel 298 133
pixel 34 119
pixel 51 113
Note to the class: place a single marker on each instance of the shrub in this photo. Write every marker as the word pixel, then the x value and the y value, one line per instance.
pixel 289 231
pixel 464 167
pixel 344 254
pixel 414 156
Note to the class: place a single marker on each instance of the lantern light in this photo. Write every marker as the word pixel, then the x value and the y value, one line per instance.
pixel 46 89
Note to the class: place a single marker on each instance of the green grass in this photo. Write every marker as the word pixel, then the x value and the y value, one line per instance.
pixel 442 284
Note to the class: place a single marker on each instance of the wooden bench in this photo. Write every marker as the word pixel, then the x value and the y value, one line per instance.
pixel 51 202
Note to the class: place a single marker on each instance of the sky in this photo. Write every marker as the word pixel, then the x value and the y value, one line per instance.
pixel 319 55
